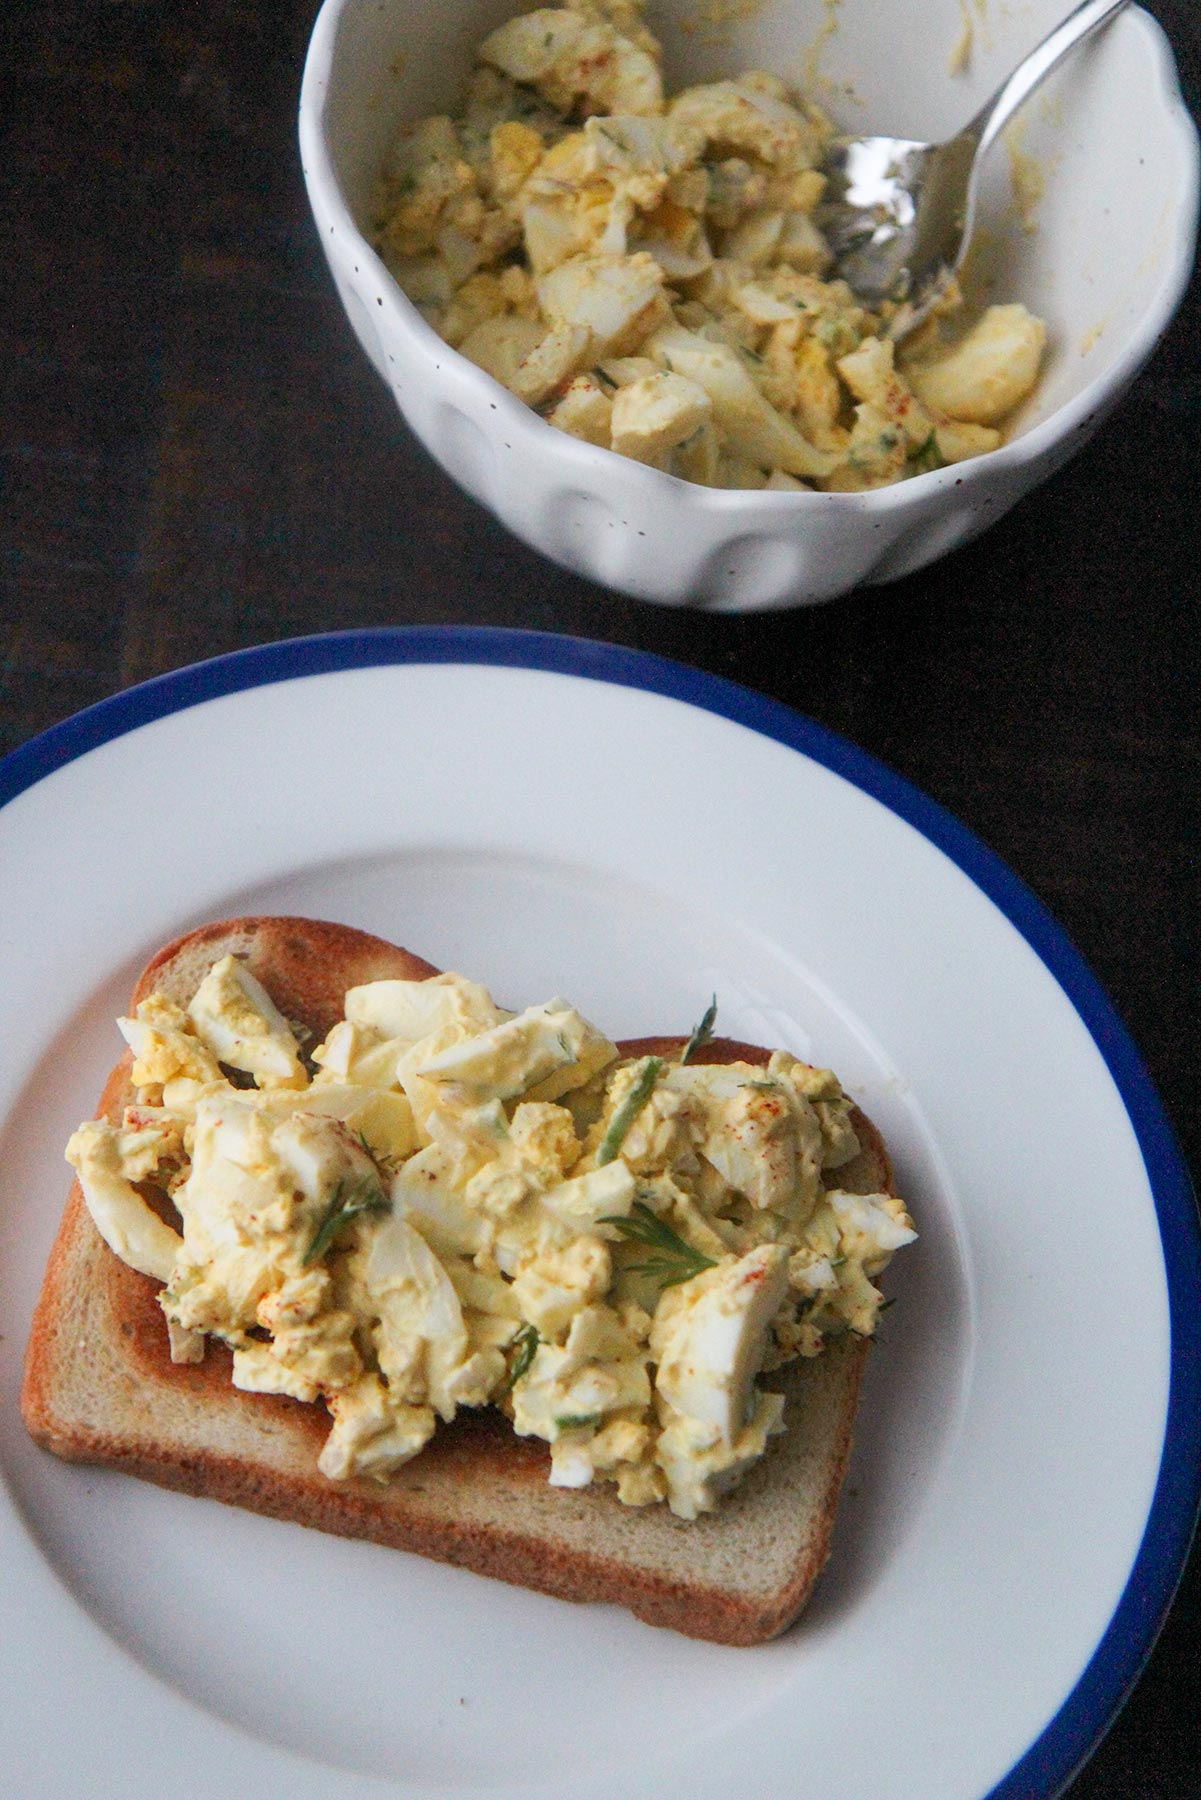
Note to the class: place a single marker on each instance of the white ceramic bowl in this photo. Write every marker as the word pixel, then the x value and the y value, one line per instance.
pixel 1107 138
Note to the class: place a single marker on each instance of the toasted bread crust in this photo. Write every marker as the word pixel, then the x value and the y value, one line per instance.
pixel 477 1496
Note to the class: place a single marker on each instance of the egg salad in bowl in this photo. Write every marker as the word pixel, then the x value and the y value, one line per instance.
pixel 449 1205
pixel 649 272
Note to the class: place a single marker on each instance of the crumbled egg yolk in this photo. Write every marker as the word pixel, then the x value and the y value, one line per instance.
pixel 649 272
pixel 450 1205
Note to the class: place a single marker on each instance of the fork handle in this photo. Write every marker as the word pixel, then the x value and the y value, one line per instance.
pixel 996 113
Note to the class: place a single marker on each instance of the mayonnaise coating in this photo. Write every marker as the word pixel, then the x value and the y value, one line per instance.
pixel 449 1205
pixel 649 271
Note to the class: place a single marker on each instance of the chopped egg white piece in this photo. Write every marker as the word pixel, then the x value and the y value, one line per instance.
pixel 414 1010
pixel 235 1016
pixel 577 55
pixel 709 1337
pixel 514 1057
pixel 989 372
pixel 107 1160
pixel 651 416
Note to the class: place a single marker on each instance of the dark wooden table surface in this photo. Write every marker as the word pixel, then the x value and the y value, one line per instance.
pixel 198 457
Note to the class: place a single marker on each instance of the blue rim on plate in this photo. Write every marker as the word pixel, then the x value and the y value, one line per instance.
pixel 1065 1743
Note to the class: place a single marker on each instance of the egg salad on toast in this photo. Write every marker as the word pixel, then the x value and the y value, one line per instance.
pixel 475 1250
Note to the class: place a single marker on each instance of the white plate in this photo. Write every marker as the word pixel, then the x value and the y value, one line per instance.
pixel 551 815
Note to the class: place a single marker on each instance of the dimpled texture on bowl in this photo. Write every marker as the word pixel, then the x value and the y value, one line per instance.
pixel 1105 264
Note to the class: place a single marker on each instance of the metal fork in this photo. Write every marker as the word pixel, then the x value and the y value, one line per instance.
pixel 898 214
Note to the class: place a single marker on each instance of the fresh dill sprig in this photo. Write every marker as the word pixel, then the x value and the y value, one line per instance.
pixel 576 1421
pixel 628 1111
pixel 525 1342
pixel 349 1200
pixel 702 1033
pixel 387 1164
pixel 674 1260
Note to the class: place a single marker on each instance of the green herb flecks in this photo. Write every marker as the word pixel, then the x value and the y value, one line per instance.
pixel 387 1165
pixel 866 461
pixel 701 1033
pixel 836 336
pixel 350 1199
pixel 576 1421
pixel 927 456
pixel 674 1259
pixel 628 1111
pixel 525 1344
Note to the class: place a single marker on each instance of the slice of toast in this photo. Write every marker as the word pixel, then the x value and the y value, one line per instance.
pixel 100 1387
